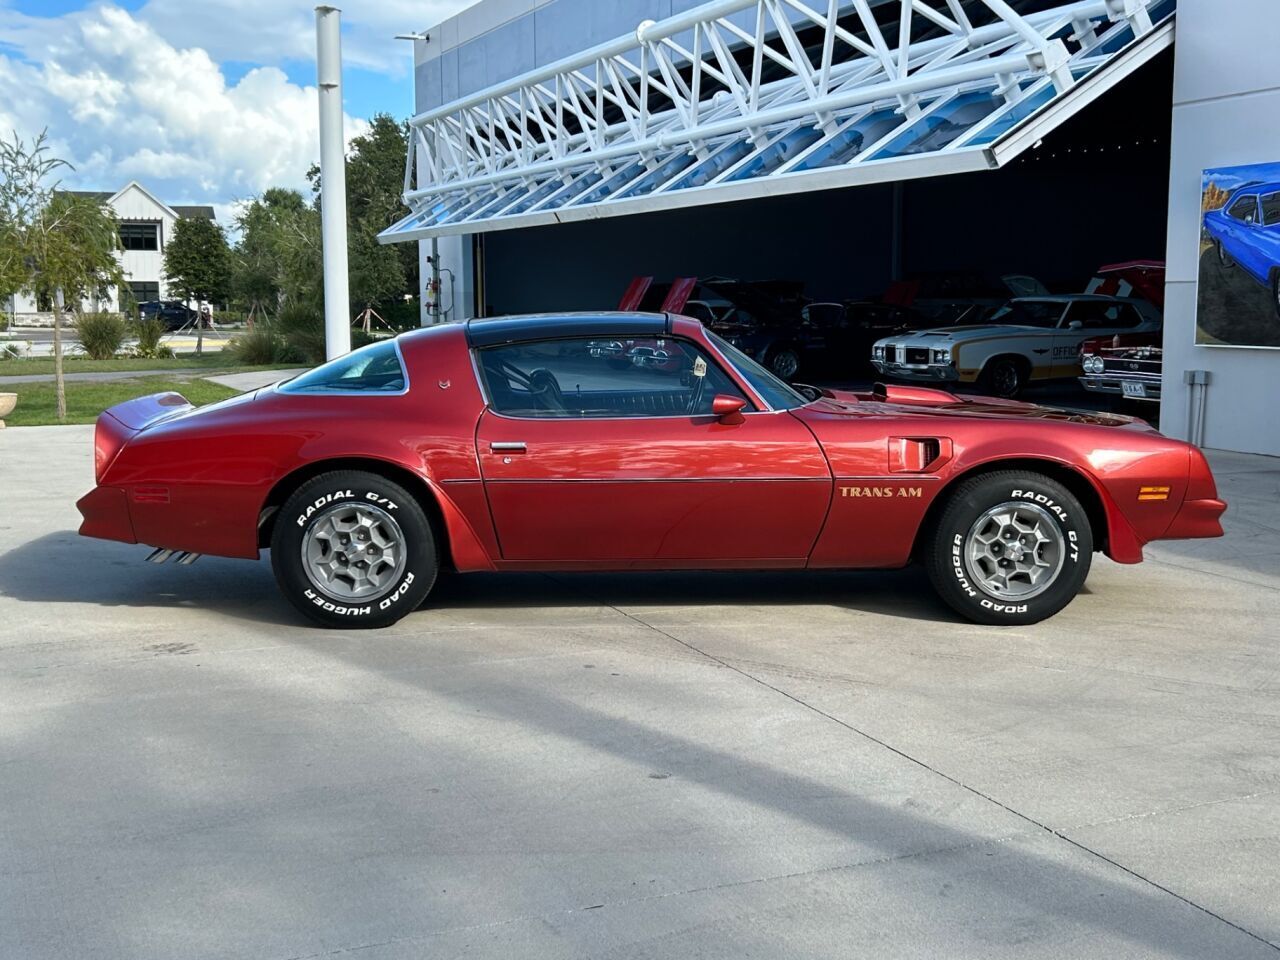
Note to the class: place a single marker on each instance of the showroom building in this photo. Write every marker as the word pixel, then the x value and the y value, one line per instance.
pixel 563 147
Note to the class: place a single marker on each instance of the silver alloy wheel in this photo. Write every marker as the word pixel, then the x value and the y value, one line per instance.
pixel 353 551
pixel 1015 551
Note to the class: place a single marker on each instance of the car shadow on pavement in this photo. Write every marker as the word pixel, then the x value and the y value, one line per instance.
pixel 116 575
pixel 898 593
pixel 64 567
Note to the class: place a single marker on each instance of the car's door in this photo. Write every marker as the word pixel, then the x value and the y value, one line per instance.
pixel 589 460
pixel 1239 221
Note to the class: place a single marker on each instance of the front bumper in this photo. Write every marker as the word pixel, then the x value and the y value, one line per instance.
pixel 1196 519
pixel 925 373
pixel 1103 383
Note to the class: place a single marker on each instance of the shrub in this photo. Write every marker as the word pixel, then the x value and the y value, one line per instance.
pixel 149 330
pixel 301 325
pixel 261 345
pixel 4 322
pixel 101 334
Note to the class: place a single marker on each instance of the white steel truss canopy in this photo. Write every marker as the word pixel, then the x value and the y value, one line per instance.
pixel 738 99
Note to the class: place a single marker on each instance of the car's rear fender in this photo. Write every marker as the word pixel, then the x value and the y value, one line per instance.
pixel 451 507
pixel 119 424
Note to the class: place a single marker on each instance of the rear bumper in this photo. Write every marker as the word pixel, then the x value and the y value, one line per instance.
pixel 106 515
pixel 1196 519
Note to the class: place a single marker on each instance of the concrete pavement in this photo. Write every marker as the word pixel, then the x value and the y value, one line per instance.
pixel 799 765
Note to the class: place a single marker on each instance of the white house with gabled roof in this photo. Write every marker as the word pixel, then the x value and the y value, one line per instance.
pixel 146 225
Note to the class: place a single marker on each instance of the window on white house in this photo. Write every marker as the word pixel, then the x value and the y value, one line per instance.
pixel 140 236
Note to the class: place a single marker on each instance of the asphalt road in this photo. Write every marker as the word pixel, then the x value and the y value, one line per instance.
pixel 676 766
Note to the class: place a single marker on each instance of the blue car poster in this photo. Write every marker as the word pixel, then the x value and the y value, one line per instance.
pixel 1238 304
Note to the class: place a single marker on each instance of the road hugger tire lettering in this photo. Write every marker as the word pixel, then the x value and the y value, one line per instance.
pixel 1011 548
pixel 384 566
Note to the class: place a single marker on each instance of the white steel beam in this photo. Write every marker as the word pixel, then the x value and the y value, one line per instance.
pixel 648 122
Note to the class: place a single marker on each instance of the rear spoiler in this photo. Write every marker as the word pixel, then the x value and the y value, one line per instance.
pixel 120 423
pixel 136 415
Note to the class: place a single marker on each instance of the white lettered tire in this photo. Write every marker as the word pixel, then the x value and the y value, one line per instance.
pixel 353 550
pixel 1010 548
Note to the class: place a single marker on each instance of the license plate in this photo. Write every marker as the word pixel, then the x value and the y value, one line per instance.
pixel 1136 390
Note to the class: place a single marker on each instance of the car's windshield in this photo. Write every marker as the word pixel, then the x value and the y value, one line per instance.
pixel 776 393
pixel 1029 313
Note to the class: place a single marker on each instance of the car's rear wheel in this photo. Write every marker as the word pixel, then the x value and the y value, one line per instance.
pixel 1003 377
pixel 784 362
pixel 353 549
pixel 1275 290
pixel 1011 547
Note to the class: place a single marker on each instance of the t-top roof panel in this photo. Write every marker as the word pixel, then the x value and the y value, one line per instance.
pixel 699 109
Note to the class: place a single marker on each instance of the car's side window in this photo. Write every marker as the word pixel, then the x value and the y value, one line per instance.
pixel 1245 209
pixel 1271 209
pixel 1091 314
pixel 372 369
pixel 602 377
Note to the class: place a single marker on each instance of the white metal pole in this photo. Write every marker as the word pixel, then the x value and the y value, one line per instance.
pixel 333 183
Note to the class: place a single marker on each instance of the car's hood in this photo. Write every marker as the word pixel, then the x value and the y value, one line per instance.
pixel 924 401
pixel 974 332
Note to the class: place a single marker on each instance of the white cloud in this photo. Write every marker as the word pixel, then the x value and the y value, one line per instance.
pixel 275 31
pixel 121 102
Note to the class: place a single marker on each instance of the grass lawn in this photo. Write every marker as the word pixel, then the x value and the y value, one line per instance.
pixel 208 362
pixel 37 406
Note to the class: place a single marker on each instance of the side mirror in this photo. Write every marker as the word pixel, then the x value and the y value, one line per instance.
pixel 727 408
pixel 1075 325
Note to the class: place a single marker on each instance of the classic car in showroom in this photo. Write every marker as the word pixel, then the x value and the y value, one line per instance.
pixel 1129 366
pixel 1030 338
pixel 1246 233
pixel 515 444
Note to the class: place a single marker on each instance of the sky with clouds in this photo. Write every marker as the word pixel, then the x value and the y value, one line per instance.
pixel 203 101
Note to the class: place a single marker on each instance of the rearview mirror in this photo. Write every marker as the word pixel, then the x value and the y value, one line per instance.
pixel 727 408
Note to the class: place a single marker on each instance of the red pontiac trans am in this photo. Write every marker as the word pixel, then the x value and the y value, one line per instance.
pixel 515 444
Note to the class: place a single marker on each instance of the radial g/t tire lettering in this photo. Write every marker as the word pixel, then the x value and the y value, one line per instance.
pixel 1010 548
pixel 353 550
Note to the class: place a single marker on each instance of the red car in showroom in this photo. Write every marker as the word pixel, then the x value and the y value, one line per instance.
pixel 515 444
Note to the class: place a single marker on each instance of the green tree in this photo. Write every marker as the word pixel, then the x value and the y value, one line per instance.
pixel 380 273
pixel 53 245
pixel 197 263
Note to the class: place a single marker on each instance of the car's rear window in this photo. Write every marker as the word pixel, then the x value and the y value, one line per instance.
pixel 376 368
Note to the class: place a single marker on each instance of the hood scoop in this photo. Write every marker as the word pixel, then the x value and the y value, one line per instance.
pixel 915 396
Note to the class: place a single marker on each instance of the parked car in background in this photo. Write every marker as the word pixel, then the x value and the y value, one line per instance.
pixel 1029 338
pixel 1126 365
pixel 1246 233
pixel 174 314
pixel 958 297
pixel 512 444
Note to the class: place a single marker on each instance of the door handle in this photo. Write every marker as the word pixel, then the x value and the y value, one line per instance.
pixel 514 446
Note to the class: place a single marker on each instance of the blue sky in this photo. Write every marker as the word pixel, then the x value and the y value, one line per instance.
pixel 1228 178
pixel 203 101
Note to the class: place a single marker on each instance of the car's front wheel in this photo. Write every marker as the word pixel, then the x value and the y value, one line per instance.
pixel 1011 548
pixel 353 549
pixel 1224 258
pixel 1004 377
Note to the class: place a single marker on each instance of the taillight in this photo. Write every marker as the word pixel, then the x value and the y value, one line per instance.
pixel 108 437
